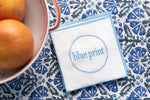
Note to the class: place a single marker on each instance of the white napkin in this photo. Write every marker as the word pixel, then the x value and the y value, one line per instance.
pixel 88 52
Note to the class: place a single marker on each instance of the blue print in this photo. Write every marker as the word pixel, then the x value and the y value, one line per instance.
pixel 111 6
pixel 138 93
pixel 40 92
pixel 135 57
pixel 39 64
pixel 135 21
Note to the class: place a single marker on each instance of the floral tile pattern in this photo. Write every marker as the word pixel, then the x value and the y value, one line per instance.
pixel 42 81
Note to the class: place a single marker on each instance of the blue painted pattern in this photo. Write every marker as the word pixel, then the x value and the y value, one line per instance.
pixel 38 66
pixel 135 60
pixel 135 20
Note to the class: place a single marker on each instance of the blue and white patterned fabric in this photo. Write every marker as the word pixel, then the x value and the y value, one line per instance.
pixel 43 81
pixel 85 51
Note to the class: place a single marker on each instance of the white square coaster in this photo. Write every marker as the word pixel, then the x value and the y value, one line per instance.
pixel 88 52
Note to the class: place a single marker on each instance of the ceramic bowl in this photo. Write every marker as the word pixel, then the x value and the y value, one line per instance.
pixel 37 20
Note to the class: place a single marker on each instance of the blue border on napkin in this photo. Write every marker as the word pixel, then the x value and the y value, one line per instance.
pixel 86 21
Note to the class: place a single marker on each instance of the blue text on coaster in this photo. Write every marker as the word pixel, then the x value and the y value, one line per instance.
pixel 88 52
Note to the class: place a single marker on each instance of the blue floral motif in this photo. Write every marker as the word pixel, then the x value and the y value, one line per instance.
pixel 119 31
pixel 64 8
pixel 136 60
pixel 58 81
pixel 40 64
pixel 111 86
pixel 88 93
pixel 111 6
pixel 138 93
pixel 135 21
pixel 39 93
pixel 15 84
pixel 90 12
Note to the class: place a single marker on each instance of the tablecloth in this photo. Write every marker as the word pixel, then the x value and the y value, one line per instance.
pixel 132 23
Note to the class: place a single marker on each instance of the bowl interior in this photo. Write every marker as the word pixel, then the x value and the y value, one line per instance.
pixel 36 19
